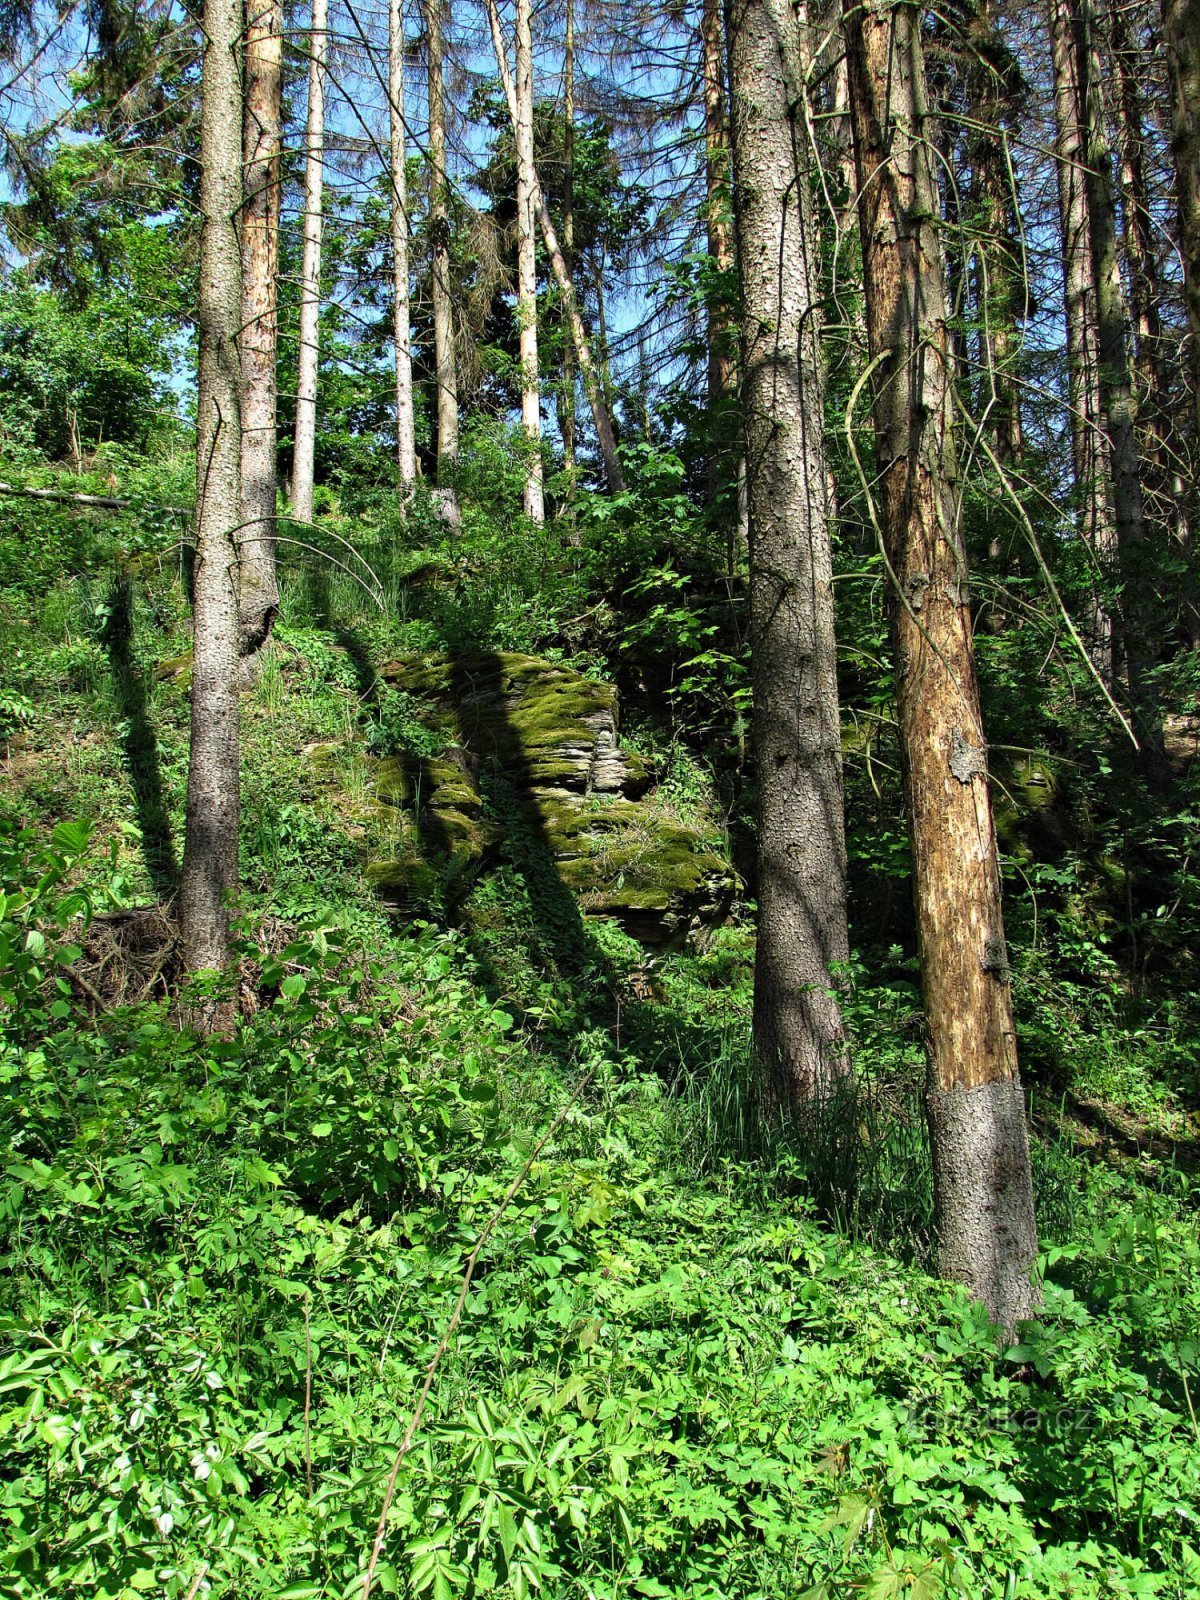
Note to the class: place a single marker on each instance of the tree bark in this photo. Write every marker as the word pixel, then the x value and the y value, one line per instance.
pixel 531 405
pixel 258 592
pixel 987 1236
pixel 1083 363
pixel 592 387
pixel 1139 627
pixel 802 937
pixel 716 188
pixel 406 441
pixel 444 359
pixel 310 288
pixel 210 856
pixel 1181 37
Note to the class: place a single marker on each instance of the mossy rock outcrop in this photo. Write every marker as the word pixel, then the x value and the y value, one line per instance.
pixel 541 741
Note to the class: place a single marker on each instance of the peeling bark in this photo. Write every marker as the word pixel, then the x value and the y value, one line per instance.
pixel 987 1237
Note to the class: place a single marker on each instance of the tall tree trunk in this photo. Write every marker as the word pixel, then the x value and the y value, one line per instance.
pixel 567 401
pixel 445 362
pixel 1083 362
pixel 258 593
pixel 531 405
pixel 1167 466
pixel 802 938
pixel 1181 36
pixel 592 385
pixel 406 441
pixel 1000 288
pixel 210 855
pixel 987 1236
pixel 310 271
pixel 1118 407
pixel 716 188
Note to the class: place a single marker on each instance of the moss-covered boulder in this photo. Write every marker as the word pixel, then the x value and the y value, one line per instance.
pixel 541 742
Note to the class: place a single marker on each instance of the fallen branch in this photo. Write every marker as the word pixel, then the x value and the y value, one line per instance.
pixel 98 502
pixel 448 1333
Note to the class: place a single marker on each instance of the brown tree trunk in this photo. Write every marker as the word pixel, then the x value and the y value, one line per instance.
pixel 210 855
pixel 1000 288
pixel 258 593
pixel 1167 466
pixel 1118 406
pixel 716 189
pixel 987 1236
pixel 802 939
pixel 1083 362
pixel 406 441
pixel 527 316
pixel 592 382
pixel 445 362
pixel 310 271
pixel 1181 37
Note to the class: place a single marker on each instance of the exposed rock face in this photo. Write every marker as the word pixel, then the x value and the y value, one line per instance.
pixel 541 740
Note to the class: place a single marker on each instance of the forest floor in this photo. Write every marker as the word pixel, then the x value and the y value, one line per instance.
pixel 690 1363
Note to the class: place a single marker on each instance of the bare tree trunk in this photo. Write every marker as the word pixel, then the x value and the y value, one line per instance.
pixel 1118 405
pixel 258 592
pixel 210 856
pixel 802 938
pixel 445 362
pixel 987 1236
pixel 406 440
pixel 601 413
pixel 1083 362
pixel 1181 36
pixel 310 287
pixel 531 405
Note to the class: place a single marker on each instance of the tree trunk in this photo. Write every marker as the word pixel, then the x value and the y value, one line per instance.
pixel 566 421
pixel 531 405
pixel 1118 406
pixel 1083 384
pixel 1167 466
pixel 1000 288
pixel 258 593
pixel 310 287
pixel 444 359
pixel 987 1236
pixel 601 413
pixel 716 188
pixel 798 1037
pixel 210 856
pixel 406 442
pixel 1181 37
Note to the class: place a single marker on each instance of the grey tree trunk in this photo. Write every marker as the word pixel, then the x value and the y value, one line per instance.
pixel 987 1236
pixel 445 363
pixel 566 414
pixel 406 442
pixel 798 1036
pixel 531 406
pixel 210 854
pixel 1139 629
pixel 310 288
pixel 258 596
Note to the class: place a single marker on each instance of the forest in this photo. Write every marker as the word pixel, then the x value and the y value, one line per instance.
pixel 599 799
